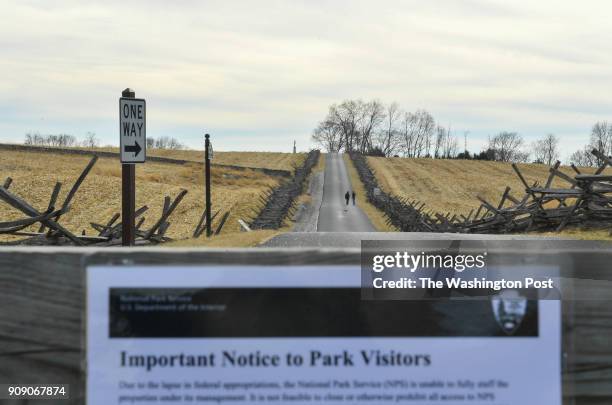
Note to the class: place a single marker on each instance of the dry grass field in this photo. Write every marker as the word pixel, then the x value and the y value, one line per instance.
pixel 452 185
pixel 264 160
pixel 247 239
pixel 34 175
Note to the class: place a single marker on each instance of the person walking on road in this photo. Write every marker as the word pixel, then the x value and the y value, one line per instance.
pixel 353 195
pixel 347 196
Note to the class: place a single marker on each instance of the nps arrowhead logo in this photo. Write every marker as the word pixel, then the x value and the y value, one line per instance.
pixel 509 308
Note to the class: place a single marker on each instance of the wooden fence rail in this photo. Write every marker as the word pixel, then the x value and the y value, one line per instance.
pixel 585 202
pixel 42 307
pixel 278 203
pixel 51 232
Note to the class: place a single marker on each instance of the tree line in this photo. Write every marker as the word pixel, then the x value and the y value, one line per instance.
pixel 601 140
pixel 164 142
pixel 60 140
pixel 90 140
pixel 373 128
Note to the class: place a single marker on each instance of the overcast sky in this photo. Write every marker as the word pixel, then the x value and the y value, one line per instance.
pixel 258 75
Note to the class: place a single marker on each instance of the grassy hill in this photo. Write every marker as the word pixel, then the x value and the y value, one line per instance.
pixel 263 160
pixel 452 185
pixel 34 175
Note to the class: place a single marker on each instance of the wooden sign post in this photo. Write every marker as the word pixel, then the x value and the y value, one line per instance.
pixel 133 142
pixel 207 157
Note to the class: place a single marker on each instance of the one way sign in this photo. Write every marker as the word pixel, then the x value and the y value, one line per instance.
pixel 132 130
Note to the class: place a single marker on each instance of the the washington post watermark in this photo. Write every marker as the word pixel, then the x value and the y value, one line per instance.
pixel 469 269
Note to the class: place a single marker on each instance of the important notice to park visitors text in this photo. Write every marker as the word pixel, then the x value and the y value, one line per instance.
pixel 292 334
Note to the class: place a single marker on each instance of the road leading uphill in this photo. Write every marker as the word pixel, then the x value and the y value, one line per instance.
pixel 342 226
pixel 334 214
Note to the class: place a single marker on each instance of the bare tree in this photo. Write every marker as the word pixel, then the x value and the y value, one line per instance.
pixel 162 142
pixel 91 140
pixel 446 145
pixel 52 140
pixel 355 125
pixel 388 137
pixel 371 116
pixel 507 147
pixel 439 143
pixel 546 150
pixel 166 142
pixel 417 130
pixel 584 158
pixel 66 140
pixel 150 142
pixel 60 140
pixel 345 116
pixel 601 138
pixel 328 136
pixel 175 144
pixel 351 125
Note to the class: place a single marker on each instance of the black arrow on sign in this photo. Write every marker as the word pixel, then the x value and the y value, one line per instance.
pixel 133 148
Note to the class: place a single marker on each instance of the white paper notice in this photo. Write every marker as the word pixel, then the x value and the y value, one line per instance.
pixel 249 334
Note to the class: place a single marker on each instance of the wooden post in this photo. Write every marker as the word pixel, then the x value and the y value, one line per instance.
pixel 207 186
pixel 35 321
pixel 128 194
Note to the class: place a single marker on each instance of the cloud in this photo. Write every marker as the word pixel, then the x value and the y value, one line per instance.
pixel 247 69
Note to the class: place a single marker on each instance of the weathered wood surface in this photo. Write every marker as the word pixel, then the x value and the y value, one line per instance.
pixel 278 203
pixel 42 307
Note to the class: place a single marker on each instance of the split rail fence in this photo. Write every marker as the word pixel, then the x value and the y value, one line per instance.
pixel 275 205
pixel 109 233
pixel 279 203
pixel 586 201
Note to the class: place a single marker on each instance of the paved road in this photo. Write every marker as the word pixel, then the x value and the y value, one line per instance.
pixel 334 214
pixel 329 221
pixel 353 240
pixel 342 226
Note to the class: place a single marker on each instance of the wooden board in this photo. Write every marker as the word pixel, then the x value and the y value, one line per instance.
pixel 42 309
